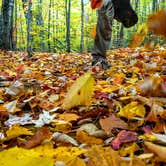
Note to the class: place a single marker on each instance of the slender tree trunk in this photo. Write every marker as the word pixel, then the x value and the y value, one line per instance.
pixel 121 36
pixel 49 26
pixel 40 23
pixel 15 27
pixel 68 8
pixel 28 16
pixel 1 29
pixel 82 27
pixel 7 14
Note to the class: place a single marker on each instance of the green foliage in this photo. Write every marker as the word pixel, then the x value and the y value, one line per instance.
pixel 56 37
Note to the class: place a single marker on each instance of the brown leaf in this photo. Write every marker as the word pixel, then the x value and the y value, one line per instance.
pixel 112 122
pixel 41 135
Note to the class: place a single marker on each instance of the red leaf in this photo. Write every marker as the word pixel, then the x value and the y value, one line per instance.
pixel 123 137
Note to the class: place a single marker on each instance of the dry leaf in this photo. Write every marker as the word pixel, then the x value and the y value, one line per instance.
pixel 69 117
pixel 105 156
pixel 157 149
pixel 123 137
pixel 80 93
pixel 84 138
pixel 64 138
pixel 133 109
pixel 39 137
pixel 112 122
pixel 16 131
pixel 157 22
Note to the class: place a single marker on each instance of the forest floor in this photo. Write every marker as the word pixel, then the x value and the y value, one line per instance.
pixel 125 124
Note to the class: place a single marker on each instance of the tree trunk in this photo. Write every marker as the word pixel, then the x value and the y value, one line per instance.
pixel 68 8
pixel 49 26
pixel 82 27
pixel 7 14
pixel 28 16
pixel 40 23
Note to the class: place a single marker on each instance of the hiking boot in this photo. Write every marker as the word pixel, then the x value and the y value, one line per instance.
pixel 98 60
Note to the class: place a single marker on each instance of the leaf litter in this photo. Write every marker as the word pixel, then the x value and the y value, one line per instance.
pixel 55 109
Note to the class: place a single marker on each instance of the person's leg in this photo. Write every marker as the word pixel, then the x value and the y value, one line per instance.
pixel 103 32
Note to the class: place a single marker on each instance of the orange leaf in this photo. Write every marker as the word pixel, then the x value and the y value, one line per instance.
pixel 93 33
pixel 157 23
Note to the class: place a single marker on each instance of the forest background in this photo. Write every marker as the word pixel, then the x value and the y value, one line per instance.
pixel 60 26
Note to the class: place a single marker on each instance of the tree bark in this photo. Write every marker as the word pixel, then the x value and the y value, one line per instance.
pixel 82 27
pixel 40 23
pixel 68 8
pixel 28 16
pixel 7 21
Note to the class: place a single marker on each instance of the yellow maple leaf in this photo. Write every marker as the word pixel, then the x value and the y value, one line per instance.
pixel 16 131
pixel 80 92
pixel 22 157
pixel 106 156
pixel 132 110
pixel 84 137
pixel 44 155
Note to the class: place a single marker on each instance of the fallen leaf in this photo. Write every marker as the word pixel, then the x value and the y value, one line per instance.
pixel 69 117
pixel 112 122
pixel 106 156
pixel 80 93
pixel 22 157
pixel 133 109
pixel 64 138
pixel 16 131
pixel 157 149
pixel 83 137
pixel 39 137
pixel 123 137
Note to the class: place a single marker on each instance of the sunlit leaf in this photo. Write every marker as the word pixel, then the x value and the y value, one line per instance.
pixel 16 131
pixel 105 156
pixel 132 110
pixel 80 93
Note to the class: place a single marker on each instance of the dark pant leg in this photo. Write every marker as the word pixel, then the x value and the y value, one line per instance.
pixel 103 29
